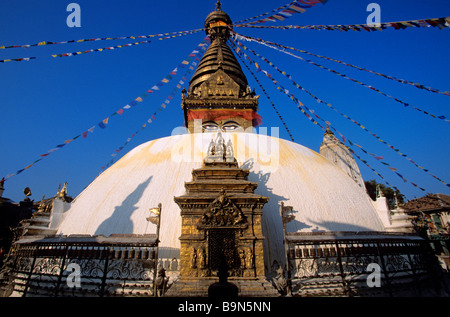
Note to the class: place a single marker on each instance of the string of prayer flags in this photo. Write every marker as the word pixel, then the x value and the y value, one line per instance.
pixel 342 114
pixel 284 12
pixel 403 81
pixel 162 106
pixel 100 49
pixel 310 116
pixel 103 123
pixel 262 42
pixel 24 59
pixel 440 23
pixel 117 46
pixel 268 98
pixel 42 43
pixel 266 13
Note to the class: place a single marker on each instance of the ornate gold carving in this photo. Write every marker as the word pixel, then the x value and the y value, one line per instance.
pixel 223 212
pixel 216 224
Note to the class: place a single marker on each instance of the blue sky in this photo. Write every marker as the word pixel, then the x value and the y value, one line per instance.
pixel 48 100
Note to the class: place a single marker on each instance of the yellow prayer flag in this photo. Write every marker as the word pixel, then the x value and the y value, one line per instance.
pixel 41 43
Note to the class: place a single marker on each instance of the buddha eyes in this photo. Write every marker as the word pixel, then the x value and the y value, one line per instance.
pixel 212 126
pixel 230 127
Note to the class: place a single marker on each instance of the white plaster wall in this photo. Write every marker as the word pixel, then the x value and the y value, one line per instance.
pixel 324 198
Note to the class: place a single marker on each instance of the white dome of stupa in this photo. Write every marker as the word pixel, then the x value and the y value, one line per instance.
pixel 323 197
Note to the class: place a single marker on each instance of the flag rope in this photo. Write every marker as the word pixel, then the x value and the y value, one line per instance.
pixel 265 43
pixel 395 149
pixel 162 106
pixel 102 124
pixel 43 43
pixel 284 12
pixel 96 49
pixel 268 98
pixel 440 23
pixel 403 81
pixel 312 114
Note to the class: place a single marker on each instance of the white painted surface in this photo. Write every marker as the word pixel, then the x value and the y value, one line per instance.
pixel 323 196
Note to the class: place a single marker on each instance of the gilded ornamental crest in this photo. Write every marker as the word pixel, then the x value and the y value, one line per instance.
pixel 223 212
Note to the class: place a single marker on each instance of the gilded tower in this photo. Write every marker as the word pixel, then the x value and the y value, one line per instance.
pixel 218 93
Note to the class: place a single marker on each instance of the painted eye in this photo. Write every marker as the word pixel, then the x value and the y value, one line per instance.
pixel 208 127
pixel 230 127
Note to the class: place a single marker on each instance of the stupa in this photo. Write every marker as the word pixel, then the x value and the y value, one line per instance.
pixel 286 219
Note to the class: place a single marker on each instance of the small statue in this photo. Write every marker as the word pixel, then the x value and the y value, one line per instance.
pixel 250 260
pixel 229 153
pixel 243 259
pixel 63 192
pixel 194 259
pixel 202 258
pixel 161 282
pixel 196 92
pixel 280 282
pixel 211 148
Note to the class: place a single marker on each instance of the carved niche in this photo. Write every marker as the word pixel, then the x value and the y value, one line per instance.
pixel 219 85
pixel 222 212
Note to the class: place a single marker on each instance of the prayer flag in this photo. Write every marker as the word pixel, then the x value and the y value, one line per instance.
pixel 297 8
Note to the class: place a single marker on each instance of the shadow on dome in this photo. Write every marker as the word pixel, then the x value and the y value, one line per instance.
pixel 334 226
pixel 120 221
pixel 271 211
